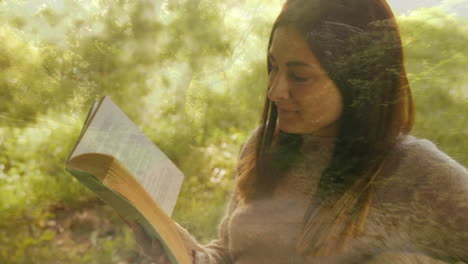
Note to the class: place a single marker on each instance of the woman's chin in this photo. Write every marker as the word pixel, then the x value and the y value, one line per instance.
pixel 290 129
pixel 295 129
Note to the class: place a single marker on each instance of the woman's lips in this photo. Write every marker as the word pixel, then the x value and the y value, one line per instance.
pixel 286 111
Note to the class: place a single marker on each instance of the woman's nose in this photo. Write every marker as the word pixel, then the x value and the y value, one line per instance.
pixel 279 89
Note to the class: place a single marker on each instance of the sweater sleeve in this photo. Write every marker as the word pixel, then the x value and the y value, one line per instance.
pixel 439 225
pixel 217 251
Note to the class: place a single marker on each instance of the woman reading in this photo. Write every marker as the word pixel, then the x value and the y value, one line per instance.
pixel 332 174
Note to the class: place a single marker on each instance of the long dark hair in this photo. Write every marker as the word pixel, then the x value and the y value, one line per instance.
pixel 358 44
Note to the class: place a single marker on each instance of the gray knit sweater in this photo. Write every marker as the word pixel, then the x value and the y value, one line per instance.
pixel 419 212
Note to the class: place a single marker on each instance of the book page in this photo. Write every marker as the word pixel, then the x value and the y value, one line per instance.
pixel 111 132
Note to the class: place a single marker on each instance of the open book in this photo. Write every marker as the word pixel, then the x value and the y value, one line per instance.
pixel 113 158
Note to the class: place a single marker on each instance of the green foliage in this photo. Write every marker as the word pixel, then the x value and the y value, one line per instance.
pixel 436 55
pixel 192 75
pixel 181 70
pixel 55 235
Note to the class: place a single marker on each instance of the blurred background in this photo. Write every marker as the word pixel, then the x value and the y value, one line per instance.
pixel 192 75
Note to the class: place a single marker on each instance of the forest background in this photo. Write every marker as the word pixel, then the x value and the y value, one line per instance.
pixel 192 75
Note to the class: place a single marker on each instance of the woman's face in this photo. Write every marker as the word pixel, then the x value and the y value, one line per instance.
pixel 307 99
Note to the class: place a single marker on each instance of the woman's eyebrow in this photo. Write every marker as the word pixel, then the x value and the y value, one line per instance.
pixel 298 64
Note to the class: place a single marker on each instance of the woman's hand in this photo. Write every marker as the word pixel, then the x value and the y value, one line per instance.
pixel 152 247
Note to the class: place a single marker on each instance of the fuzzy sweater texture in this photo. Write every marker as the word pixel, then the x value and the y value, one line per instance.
pixel 418 214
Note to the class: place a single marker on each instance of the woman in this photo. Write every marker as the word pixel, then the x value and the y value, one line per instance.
pixel 332 174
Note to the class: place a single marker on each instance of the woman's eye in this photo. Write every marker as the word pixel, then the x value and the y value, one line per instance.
pixel 298 78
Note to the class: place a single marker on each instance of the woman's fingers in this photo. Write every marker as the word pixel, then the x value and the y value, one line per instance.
pixel 150 247
pixel 162 257
pixel 142 239
pixel 156 251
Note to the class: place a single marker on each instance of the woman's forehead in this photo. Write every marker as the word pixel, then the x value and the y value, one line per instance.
pixel 289 45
